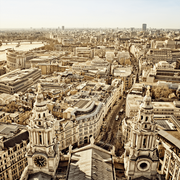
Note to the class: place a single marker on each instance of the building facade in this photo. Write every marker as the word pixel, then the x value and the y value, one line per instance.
pixel 141 153
pixel 42 150
pixel 19 80
pixel 13 148
pixel 18 59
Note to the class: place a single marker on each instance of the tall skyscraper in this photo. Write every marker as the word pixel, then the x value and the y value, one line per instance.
pixel 62 27
pixel 144 26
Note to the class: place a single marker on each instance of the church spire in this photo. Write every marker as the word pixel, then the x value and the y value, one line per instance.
pixel 147 100
pixel 141 157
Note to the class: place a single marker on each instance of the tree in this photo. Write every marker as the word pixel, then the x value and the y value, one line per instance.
pixel 127 62
pixel 161 92
pixel 122 61
pixel 100 52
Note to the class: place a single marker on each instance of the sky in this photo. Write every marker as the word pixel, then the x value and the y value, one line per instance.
pixel 89 13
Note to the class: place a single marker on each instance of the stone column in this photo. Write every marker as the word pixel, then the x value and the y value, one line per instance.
pixel 46 138
pixel 37 135
pixel 42 136
pixel 142 140
pixel 154 142
pixel 176 170
pixel 163 165
pixel 134 140
pixel 167 172
pixel 178 174
pixel 150 141
pixel 34 133
pixel 147 142
pixel 50 137
pixel 139 141
pixel 30 136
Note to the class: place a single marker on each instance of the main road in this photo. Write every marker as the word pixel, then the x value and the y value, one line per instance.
pixel 109 136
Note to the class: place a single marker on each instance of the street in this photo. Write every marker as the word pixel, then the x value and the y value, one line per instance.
pixel 109 136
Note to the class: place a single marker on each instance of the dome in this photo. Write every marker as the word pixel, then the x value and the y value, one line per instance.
pixel 97 60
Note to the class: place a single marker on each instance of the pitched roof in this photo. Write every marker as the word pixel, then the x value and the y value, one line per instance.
pixel 39 176
pixel 16 139
pixel 91 162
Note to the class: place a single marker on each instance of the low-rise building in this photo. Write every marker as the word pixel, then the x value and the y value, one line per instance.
pixel 162 71
pixel 84 52
pixel 124 73
pixel 18 59
pixel 19 80
pixel 133 102
pixel 13 148
pixel 163 54
pixel 95 65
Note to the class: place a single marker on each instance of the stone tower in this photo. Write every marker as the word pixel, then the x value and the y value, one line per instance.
pixel 141 154
pixel 43 151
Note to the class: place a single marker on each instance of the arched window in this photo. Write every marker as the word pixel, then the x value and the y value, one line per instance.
pixel 144 142
pixel 39 122
pixel 146 118
pixel 43 114
pixel 39 115
pixel 40 138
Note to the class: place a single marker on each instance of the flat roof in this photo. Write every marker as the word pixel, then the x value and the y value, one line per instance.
pixel 15 75
pixel 170 138
pixel 163 105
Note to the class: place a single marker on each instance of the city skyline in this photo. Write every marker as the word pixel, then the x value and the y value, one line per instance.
pixel 89 14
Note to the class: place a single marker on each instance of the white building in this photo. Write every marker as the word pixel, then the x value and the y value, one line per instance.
pixel 141 156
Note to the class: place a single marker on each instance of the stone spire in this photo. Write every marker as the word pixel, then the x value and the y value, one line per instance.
pixel 147 100
pixel 141 155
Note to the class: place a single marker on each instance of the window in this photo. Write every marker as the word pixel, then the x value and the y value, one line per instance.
pixel 146 118
pixel 40 138
pixel 144 142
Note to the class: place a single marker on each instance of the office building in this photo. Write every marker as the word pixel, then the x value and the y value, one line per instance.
pixel 144 26
pixel 19 80
pixel 13 147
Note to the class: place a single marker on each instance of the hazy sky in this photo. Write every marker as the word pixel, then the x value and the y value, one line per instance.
pixel 89 13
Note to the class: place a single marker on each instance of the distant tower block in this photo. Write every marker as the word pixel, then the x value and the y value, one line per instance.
pixel 62 27
pixel 144 26
pixel 132 29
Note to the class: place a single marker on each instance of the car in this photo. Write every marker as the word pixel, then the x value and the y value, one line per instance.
pixel 121 110
pixel 117 117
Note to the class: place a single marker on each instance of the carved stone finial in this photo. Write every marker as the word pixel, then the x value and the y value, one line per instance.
pixel 113 151
pixel 70 149
pixel 92 140
pixel 148 92
pixel 39 87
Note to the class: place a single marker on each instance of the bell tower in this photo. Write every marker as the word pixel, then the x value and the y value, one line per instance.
pixel 141 154
pixel 43 151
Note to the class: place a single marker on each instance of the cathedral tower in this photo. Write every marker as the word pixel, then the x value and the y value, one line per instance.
pixel 141 154
pixel 43 151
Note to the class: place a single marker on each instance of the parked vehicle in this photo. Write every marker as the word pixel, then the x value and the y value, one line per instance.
pixel 121 110
pixel 117 117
